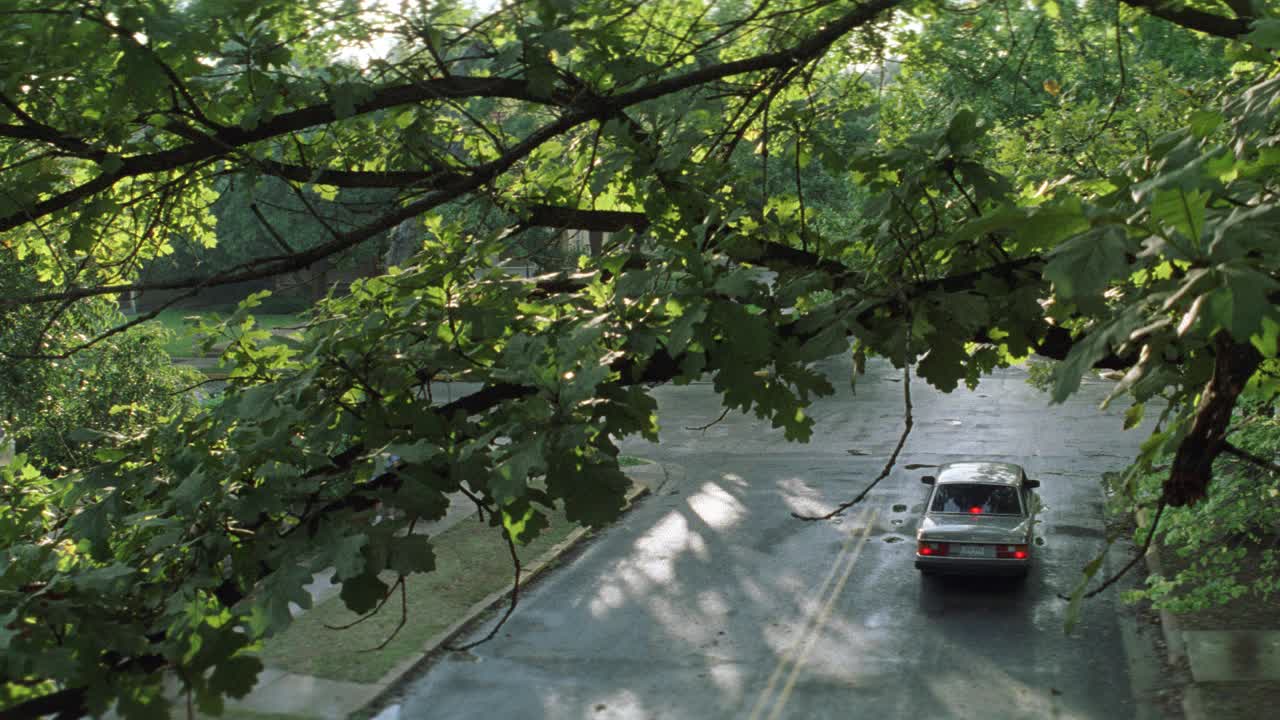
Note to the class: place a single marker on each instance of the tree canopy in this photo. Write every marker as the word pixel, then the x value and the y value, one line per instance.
pixel 954 186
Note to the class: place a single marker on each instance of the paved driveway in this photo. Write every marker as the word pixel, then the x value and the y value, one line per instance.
pixel 710 601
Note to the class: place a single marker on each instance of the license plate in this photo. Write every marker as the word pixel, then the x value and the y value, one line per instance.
pixel 980 551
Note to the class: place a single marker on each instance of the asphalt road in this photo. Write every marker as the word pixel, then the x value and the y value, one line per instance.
pixel 709 600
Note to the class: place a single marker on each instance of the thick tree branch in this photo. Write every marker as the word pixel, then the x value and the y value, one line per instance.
pixel 224 141
pixel 1193 19
pixel 44 133
pixel 1250 457
pixel 391 179
pixel 1192 468
pixel 455 87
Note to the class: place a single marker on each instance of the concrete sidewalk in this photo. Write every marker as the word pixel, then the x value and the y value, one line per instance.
pixel 283 694
pixel 1234 673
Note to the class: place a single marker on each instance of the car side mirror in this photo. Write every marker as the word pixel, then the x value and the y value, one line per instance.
pixel 1031 483
pixel 928 479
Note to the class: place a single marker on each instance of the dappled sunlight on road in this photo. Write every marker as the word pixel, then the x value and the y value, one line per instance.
pixel 802 499
pixel 972 689
pixel 717 508
pixel 709 600
pixel 730 679
pixel 658 550
pixel 713 603
pixel 622 703
pixel 798 646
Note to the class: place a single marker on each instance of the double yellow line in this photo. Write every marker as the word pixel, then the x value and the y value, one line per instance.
pixel 795 656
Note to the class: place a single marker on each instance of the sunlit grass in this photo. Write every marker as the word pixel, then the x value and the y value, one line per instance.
pixel 472 562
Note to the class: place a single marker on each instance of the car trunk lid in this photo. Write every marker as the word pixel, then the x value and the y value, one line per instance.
pixel 974 528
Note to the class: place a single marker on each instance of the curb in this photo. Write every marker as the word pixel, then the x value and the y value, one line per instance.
pixel 1174 641
pixel 391 682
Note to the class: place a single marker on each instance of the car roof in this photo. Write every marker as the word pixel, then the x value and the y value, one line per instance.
pixel 996 473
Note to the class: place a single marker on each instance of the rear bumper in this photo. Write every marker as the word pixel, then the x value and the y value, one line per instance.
pixel 972 566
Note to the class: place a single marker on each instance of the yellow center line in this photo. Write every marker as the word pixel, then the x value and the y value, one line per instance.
pixel 763 700
pixel 796 653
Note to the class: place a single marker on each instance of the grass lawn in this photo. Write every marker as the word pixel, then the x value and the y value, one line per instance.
pixel 182 344
pixel 472 562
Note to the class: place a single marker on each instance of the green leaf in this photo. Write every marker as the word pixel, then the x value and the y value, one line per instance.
pixel 1181 210
pixel 193 490
pixel 1242 303
pixel 362 593
pixel 285 585
pixel 1133 416
pixel 111 164
pixel 104 579
pixel 414 453
pixel 411 554
pixel 512 475
pixel 965 127
pixel 748 337
pixel 593 493
pixel 346 96
pixel 524 522
pixel 145 702
pixel 1204 122
pixel 420 495
pixel 540 73
pixel 348 558
pixel 1084 265
pixel 92 525
pixel 147 80
pixel 235 677
pixel 943 366
pixel 1268 341
pixel 1032 228
pixel 1089 349
pixel 1264 33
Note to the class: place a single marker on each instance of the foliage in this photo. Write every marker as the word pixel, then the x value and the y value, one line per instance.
pixel 118 387
pixel 1240 513
pixel 250 212
pixel 181 339
pixel 1040 374
pixel 767 201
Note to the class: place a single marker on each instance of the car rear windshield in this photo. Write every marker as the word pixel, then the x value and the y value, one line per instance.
pixel 976 499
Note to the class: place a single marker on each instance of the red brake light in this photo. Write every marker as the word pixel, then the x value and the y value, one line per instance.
pixel 975 510
pixel 931 548
pixel 1012 552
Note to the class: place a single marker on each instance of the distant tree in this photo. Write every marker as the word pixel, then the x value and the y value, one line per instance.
pixel 53 409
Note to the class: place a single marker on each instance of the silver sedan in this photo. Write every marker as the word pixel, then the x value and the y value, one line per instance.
pixel 978 520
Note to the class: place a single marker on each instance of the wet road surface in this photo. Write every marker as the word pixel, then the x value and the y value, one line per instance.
pixel 709 600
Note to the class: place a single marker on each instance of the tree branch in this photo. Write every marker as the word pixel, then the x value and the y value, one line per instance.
pixel 517 568
pixel 219 143
pixel 1146 547
pixel 1246 455
pixel 1192 469
pixel 1193 19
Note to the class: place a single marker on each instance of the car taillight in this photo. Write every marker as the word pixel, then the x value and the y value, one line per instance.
pixel 1011 552
pixel 932 548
